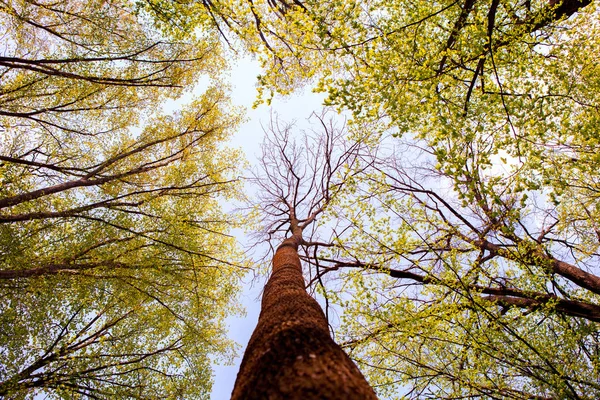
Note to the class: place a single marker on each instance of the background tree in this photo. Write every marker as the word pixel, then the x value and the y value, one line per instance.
pixel 116 268
pixel 291 353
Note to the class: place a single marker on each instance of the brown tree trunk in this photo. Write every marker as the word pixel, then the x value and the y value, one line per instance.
pixel 291 354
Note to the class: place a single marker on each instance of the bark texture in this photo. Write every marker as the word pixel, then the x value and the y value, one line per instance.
pixel 291 354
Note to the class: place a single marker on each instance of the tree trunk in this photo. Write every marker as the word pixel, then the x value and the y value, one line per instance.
pixel 291 354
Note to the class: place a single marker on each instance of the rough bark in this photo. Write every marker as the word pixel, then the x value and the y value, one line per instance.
pixel 291 354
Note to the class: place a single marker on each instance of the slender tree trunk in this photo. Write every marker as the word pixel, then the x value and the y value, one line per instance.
pixel 291 354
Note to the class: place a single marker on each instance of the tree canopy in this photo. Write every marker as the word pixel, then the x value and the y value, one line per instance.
pixel 461 243
pixel 117 269
pixel 464 255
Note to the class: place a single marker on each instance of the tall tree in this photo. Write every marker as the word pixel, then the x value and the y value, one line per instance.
pixel 451 285
pixel 291 353
pixel 490 238
pixel 116 267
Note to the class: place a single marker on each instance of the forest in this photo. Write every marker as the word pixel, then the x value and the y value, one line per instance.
pixel 434 235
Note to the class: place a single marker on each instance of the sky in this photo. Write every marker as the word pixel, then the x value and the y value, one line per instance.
pixel 295 108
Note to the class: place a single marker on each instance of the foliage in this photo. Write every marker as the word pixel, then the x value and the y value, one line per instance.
pixel 482 298
pixel 482 211
pixel 116 267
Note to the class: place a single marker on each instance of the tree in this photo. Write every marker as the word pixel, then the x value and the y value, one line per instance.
pixel 444 295
pixel 490 237
pixel 140 240
pixel 116 267
pixel 480 291
pixel 291 353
